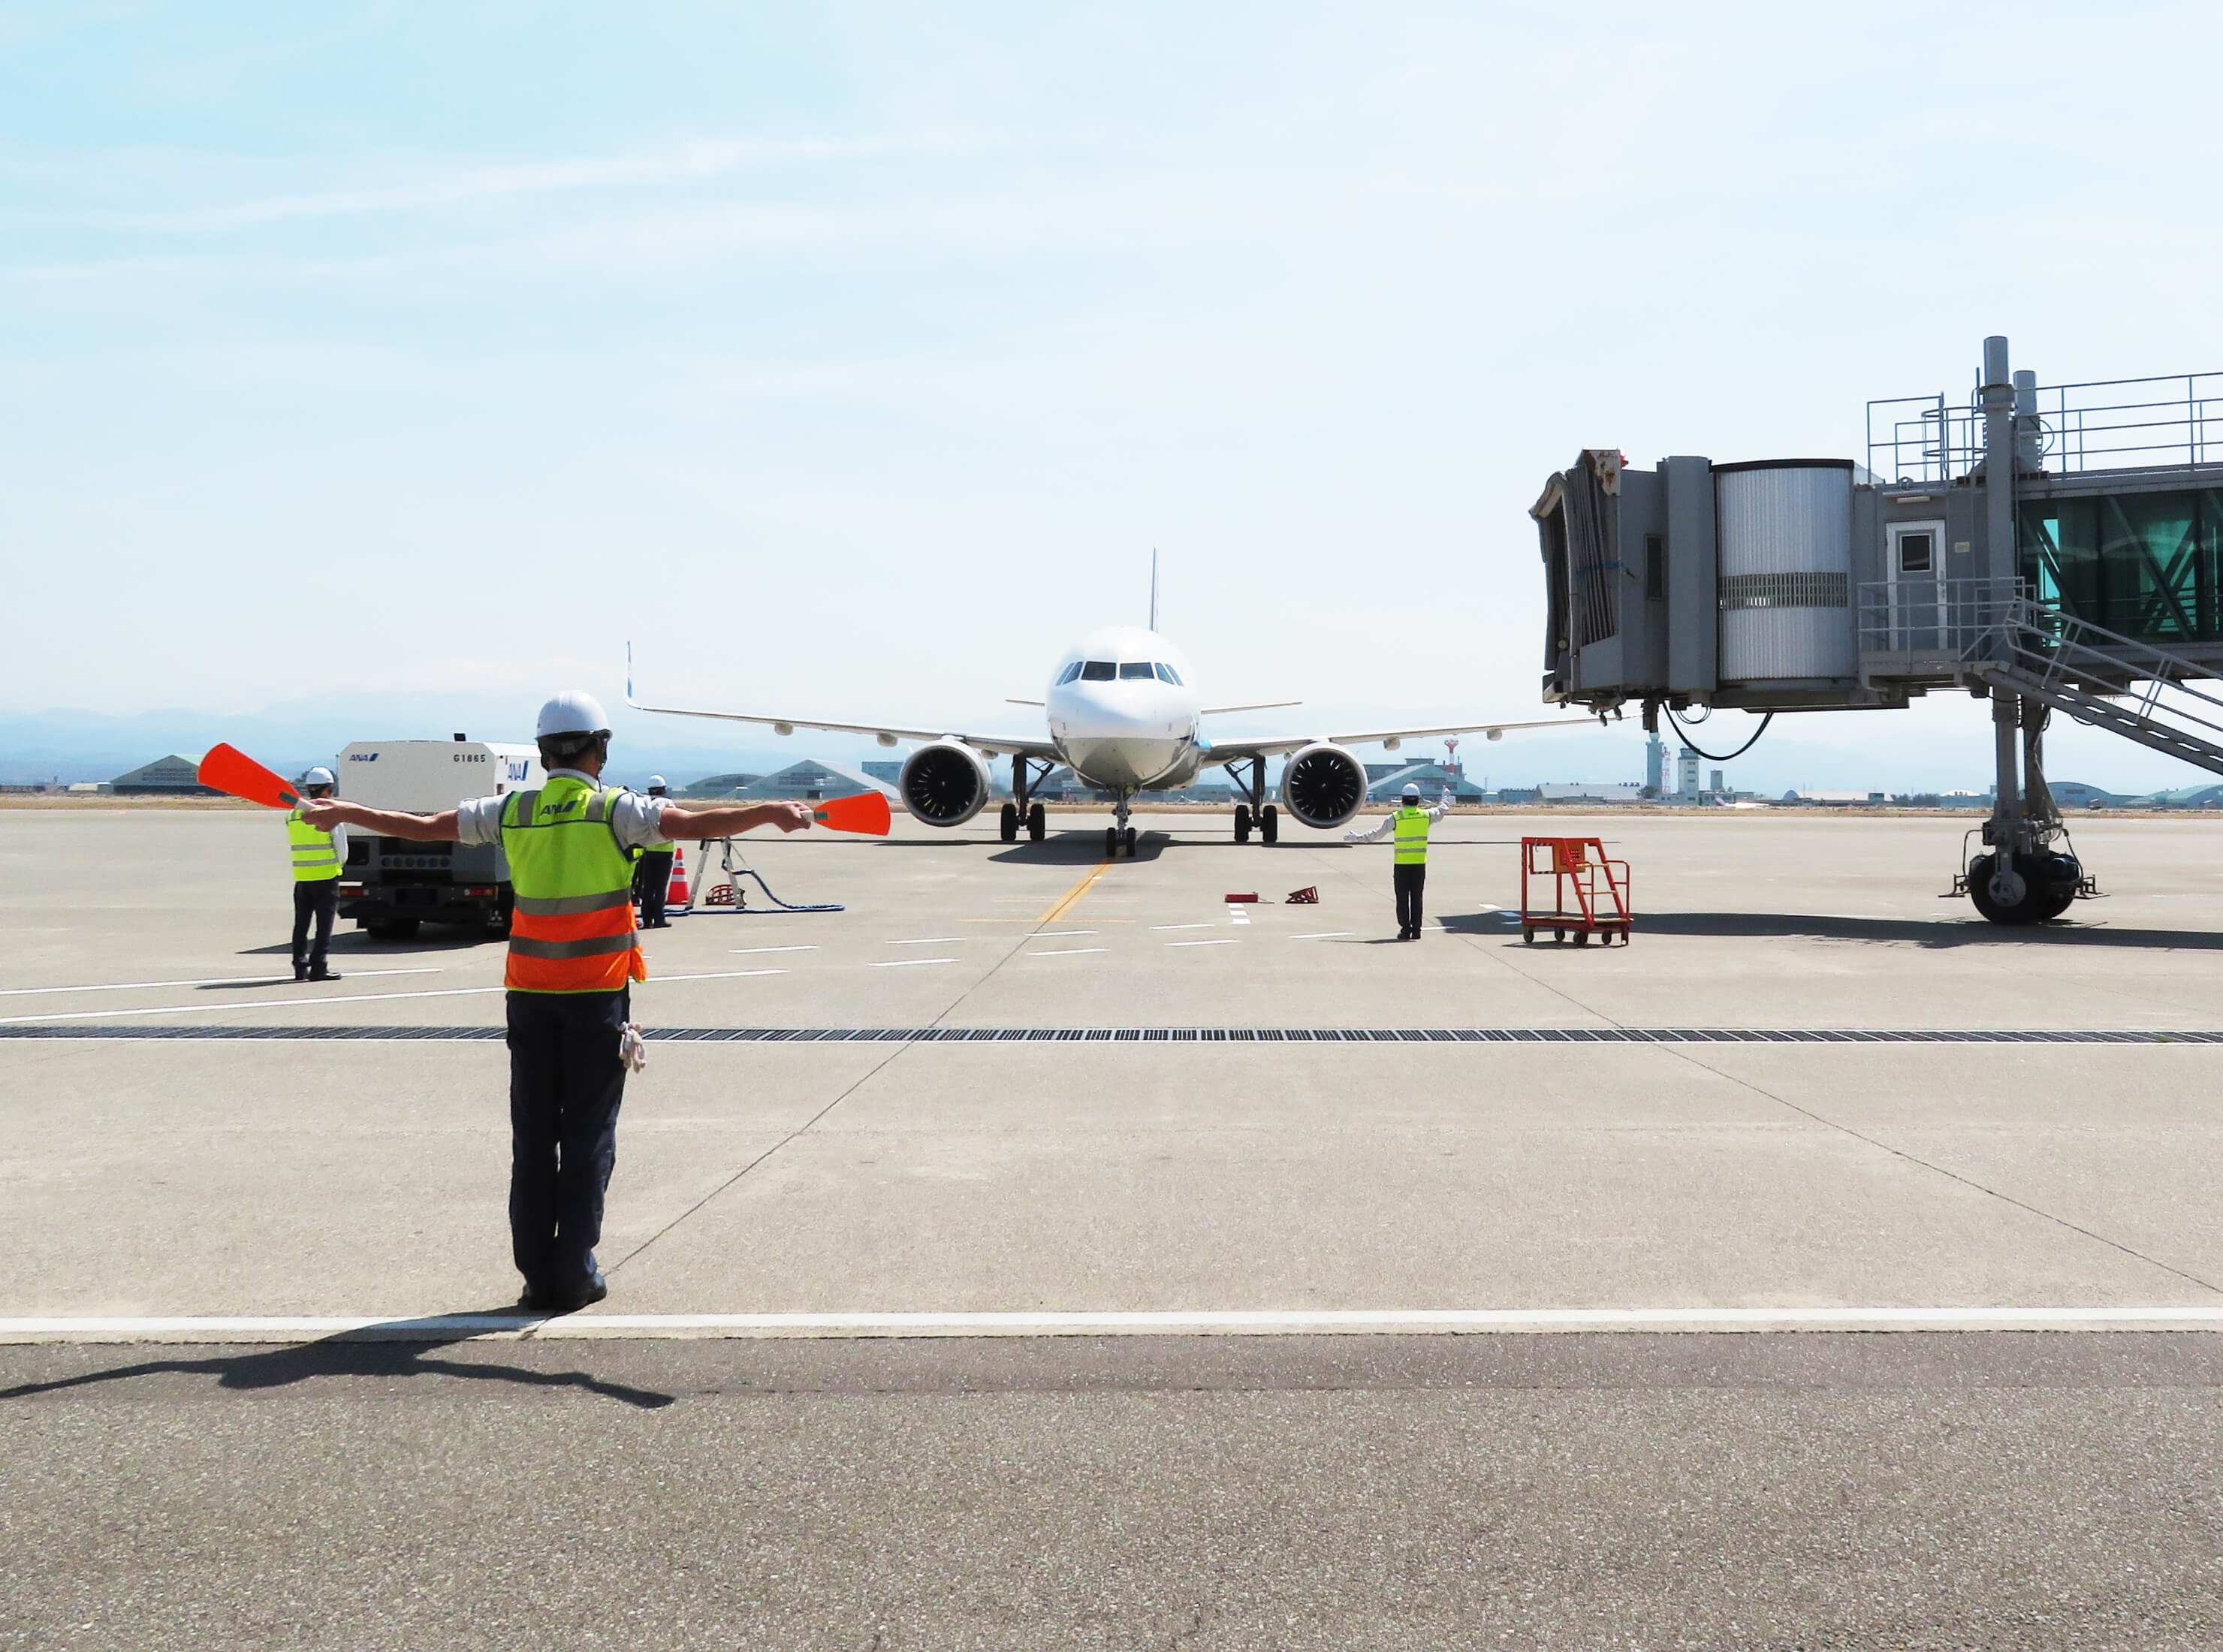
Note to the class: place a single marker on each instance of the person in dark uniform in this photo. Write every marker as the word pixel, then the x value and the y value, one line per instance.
pixel 651 873
pixel 317 857
pixel 573 959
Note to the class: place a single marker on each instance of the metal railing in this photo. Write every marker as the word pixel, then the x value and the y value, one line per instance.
pixel 1931 624
pixel 2062 655
pixel 2105 424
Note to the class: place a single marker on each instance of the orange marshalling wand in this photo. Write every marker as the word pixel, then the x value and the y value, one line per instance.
pixel 229 770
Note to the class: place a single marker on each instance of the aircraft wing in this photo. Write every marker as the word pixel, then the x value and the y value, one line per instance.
pixel 988 745
pixel 1236 750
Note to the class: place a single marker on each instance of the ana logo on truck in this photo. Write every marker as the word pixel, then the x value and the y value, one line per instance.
pixel 363 757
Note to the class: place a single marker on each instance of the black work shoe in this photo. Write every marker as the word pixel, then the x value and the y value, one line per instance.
pixel 300 972
pixel 322 974
pixel 540 1299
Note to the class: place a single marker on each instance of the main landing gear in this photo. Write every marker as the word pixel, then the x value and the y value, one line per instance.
pixel 1266 823
pixel 1020 811
pixel 1254 810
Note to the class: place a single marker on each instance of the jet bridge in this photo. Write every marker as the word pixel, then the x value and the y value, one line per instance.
pixel 2088 580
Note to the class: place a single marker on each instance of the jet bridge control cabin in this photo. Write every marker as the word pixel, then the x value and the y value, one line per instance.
pixel 2088 580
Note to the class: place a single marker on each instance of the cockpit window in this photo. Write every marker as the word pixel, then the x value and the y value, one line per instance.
pixel 1167 674
pixel 1136 668
pixel 1099 671
pixel 1068 674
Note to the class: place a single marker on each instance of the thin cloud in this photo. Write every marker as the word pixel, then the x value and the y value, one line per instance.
pixel 687 164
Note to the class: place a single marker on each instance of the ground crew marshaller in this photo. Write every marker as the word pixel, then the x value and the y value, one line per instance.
pixel 573 959
pixel 651 873
pixel 1408 830
pixel 317 857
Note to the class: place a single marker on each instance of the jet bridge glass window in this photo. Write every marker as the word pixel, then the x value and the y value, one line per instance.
pixel 1167 674
pixel 2147 565
pixel 1099 671
pixel 1655 568
pixel 1135 669
pixel 1068 674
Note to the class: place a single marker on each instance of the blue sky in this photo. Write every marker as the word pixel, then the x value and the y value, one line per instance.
pixel 851 360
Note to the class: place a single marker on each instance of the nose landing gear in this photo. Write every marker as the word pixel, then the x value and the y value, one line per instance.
pixel 1122 836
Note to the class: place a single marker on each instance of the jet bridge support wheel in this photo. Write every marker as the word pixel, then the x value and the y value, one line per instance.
pixel 2048 885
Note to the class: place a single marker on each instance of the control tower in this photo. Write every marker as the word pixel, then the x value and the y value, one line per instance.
pixel 2047 549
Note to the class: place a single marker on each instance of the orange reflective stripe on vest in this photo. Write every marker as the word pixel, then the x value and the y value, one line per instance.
pixel 571 928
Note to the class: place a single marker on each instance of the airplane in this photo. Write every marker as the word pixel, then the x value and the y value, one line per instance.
pixel 1122 715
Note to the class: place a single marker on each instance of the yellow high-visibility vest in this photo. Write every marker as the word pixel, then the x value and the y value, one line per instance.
pixel 1411 837
pixel 571 929
pixel 316 858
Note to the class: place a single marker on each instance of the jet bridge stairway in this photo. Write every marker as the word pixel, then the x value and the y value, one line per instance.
pixel 2101 678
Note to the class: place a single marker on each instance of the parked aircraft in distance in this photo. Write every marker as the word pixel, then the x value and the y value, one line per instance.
pixel 1121 715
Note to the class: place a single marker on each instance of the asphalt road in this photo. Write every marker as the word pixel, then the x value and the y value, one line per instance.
pixel 1914 1491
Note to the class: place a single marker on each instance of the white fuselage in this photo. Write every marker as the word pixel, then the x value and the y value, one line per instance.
pixel 1123 712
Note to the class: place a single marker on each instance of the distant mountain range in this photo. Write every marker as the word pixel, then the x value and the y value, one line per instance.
pixel 75 746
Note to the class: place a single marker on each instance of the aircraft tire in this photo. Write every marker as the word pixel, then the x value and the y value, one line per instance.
pixel 1038 823
pixel 1008 823
pixel 1269 820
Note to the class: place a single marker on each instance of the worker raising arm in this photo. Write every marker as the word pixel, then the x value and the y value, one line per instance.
pixel 573 959
pixel 1408 828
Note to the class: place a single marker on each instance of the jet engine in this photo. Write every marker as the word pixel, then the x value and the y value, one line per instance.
pixel 1323 785
pixel 944 783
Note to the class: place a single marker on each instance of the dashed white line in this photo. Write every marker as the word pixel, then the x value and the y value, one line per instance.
pixel 716 975
pixel 1230 941
pixel 206 980
pixel 906 962
pixel 738 950
pixel 255 1004
pixel 1059 934
pixel 927 941
pixel 1181 925
pixel 1327 934
pixel 1068 952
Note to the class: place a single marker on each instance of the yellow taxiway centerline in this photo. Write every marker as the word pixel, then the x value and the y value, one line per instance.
pixel 1073 895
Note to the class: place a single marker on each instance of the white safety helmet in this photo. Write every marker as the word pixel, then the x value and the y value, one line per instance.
pixel 1412 791
pixel 571 713
pixel 319 775
pixel 656 782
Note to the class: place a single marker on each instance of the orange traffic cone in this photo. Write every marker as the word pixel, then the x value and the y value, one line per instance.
pixel 676 895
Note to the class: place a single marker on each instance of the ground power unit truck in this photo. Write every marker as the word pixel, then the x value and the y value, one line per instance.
pixel 390 885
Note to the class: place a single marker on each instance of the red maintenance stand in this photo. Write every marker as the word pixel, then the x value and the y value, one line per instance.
pixel 1578 869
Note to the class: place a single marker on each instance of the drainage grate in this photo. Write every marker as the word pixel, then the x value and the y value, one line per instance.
pixel 1155 1034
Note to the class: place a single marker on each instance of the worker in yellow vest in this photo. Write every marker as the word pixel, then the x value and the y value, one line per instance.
pixel 1408 829
pixel 573 959
pixel 651 873
pixel 317 857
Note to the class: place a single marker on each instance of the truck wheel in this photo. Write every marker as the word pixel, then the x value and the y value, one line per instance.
pixel 396 929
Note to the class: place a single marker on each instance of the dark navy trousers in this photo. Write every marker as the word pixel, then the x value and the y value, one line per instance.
pixel 652 881
pixel 1407 881
pixel 315 900
pixel 565 1082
